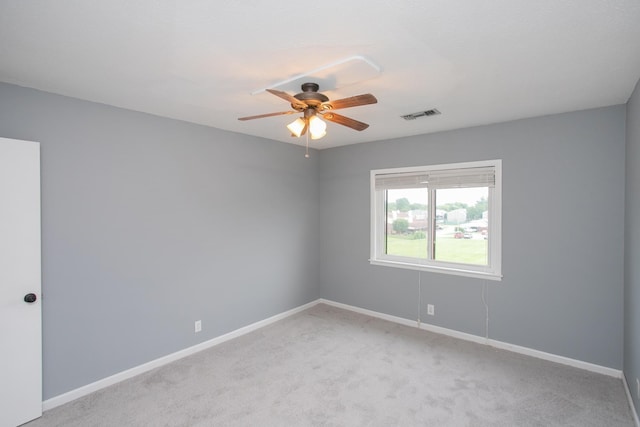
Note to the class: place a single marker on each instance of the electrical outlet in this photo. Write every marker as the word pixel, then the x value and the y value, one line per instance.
pixel 431 310
pixel 198 325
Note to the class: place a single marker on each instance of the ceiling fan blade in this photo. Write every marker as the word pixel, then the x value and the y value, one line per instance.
pixel 260 116
pixel 345 121
pixel 284 95
pixel 353 101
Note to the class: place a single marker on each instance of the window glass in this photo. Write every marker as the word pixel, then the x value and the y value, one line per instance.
pixel 407 222
pixel 461 234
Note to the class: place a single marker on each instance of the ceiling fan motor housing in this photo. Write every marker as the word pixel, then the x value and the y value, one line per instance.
pixel 310 87
pixel 310 96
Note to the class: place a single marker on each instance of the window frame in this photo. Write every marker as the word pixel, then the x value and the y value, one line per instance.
pixel 492 271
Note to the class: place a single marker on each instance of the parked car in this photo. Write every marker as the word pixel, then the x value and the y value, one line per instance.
pixel 467 235
pixel 458 235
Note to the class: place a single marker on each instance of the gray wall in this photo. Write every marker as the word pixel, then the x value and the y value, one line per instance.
pixel 149 224
pixel 144 233
pixel 563 214
pixel 632 248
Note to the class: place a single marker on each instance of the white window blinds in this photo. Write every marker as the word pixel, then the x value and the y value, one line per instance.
pixel 445 178
pixel 394 181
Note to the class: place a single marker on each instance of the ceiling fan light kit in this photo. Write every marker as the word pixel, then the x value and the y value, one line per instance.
pixel 296 127
pixel 315 105
pixel 317 127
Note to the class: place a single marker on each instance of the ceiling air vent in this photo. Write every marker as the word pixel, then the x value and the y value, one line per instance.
pixel 413 116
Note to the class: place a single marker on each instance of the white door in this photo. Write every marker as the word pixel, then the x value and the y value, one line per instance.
pixel 20 320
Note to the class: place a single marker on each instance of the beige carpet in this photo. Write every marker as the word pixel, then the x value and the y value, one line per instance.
pixel 330 367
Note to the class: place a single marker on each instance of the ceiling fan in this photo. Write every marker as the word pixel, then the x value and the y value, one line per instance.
pixel 314 105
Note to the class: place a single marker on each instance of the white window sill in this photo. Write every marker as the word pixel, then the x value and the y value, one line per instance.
pixel 438 269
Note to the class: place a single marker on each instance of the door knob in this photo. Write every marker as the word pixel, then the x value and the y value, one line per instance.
pixel 30 298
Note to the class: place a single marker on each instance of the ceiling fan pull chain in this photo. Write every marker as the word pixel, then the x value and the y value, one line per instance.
pixel 306 155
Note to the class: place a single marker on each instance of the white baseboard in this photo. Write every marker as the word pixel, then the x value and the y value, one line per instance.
pixel 137 370
pixel 482 340
pixel 129 373
pixel 587 366
pixel 395 319
pixel 630 399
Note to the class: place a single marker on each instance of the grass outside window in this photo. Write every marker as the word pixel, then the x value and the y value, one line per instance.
pixel 468 251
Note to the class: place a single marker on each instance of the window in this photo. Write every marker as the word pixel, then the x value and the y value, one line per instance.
pixel 443 218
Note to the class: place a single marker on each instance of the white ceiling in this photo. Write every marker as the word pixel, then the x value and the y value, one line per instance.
pixel 478 62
